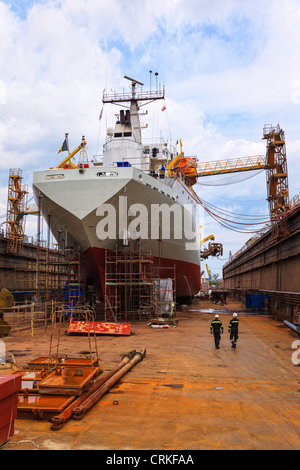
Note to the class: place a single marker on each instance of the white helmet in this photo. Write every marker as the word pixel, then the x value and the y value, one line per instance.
pixel 216 316
pixel 234 315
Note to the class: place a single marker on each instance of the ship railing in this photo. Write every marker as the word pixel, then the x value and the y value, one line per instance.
pixel 295 201
pixel 15 172
pixel 269 129
pixel 127 96
pixel 160 141
pixel 125 142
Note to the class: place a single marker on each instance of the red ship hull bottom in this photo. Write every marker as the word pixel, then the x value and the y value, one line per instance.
pixel 188 275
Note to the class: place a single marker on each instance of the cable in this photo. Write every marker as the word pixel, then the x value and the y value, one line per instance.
pixel 241 216
pixel 227 223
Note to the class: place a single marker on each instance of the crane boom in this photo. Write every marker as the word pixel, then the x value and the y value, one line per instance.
pixel 210 237
pixel 71 155
pixel 232 165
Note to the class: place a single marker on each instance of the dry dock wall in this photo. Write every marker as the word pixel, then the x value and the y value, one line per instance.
pixel 19 272
pixel 272 266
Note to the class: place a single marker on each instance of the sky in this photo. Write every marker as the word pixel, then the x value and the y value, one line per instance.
pixel 228 66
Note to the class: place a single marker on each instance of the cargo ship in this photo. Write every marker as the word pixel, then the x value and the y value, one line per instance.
pixel 136 192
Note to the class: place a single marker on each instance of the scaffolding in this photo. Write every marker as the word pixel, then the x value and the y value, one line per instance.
pixel 136 289
pixel 52 274
pixel 74 289
pixel 59 276
pixel 128 284
pixel 16 207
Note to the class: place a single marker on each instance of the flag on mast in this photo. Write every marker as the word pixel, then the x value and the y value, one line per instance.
pixel 64 147
pixel 100 116
pixel 163 108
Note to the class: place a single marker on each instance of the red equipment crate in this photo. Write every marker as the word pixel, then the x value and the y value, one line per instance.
pixel 101 328
pixel 9 384
pixel 9 388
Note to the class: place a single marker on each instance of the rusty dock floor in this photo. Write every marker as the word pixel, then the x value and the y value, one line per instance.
pixel 185 394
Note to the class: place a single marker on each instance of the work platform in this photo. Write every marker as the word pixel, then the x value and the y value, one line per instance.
pixel 185 394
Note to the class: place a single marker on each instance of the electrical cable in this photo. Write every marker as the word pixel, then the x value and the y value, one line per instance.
pixel 234 215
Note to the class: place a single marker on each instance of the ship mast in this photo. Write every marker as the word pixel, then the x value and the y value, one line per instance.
pixel 135 98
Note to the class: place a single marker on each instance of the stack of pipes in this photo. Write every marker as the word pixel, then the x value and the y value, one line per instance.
pixel 101 385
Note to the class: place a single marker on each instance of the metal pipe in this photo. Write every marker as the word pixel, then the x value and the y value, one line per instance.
pixel 79 412
pixel 293 327
pixel 59 420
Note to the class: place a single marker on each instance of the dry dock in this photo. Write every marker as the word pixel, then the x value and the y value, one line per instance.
pixel 185 394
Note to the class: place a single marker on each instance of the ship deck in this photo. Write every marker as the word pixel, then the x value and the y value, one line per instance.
pixel 185 394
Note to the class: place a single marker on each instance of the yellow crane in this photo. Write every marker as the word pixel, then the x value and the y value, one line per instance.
pixel 175 160
pixel 67 161
pixel 274 162
pixel 232 165
pixel 210 237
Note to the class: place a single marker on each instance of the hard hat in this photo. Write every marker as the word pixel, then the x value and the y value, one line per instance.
pixel 216 316
pixel 234 315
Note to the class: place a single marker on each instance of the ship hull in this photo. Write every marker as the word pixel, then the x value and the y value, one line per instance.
pixel 187 275
pixel 73 198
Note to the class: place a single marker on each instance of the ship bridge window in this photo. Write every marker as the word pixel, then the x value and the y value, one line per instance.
pixel 120 134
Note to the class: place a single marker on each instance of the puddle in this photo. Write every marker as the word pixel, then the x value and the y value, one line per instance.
pixel 223 311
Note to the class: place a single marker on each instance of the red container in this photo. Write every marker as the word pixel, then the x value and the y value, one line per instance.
pixel 7 432
pixel 8 402
pixel 9 388
pixel 9 384
pixel 7 423
pixel 8 416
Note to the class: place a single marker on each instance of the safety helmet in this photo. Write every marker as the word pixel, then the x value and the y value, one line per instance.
pixel 216 316
pixel 234 315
